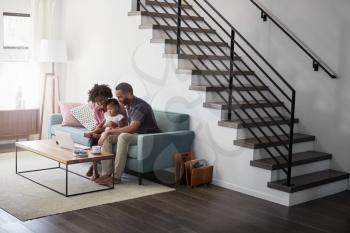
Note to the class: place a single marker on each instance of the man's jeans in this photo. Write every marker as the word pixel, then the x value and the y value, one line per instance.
pixel 123 141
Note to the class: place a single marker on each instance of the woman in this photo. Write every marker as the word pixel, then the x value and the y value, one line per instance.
pixel 98 97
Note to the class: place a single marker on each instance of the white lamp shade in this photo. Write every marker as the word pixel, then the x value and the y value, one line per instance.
pixel 53 51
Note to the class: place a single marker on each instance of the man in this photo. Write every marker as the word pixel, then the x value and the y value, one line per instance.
pixel 141 120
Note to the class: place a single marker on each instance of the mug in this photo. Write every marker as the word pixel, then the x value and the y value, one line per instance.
pixel 96 149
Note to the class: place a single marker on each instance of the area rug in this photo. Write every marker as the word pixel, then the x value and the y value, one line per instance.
pixel 26 200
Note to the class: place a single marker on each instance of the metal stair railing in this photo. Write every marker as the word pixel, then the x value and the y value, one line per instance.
pixel 180 44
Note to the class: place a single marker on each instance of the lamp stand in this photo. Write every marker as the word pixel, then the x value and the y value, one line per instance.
pixel 55 81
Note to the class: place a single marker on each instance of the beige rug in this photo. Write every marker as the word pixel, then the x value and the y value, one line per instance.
pixel 27 200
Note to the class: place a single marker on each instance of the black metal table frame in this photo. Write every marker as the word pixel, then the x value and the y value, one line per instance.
pixel 66 194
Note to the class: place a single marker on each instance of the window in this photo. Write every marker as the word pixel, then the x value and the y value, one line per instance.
pixel 16 72
pixel 16 30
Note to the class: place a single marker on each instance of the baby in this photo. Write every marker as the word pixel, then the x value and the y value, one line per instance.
pixel 114 118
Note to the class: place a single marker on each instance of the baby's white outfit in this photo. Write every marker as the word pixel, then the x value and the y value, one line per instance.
pixel 116 119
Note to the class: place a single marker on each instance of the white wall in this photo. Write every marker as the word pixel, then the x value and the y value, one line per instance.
pixel 106 46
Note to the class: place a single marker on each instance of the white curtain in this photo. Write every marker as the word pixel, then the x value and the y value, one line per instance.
pixel 44 15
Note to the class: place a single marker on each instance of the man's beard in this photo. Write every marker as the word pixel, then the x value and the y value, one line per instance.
pixel 127 101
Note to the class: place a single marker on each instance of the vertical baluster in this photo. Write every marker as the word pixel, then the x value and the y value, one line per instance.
pixel 232 54
pixel 291 132
pixel 138 5
pixel 178 42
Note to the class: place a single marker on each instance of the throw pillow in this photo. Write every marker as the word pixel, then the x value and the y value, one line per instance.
pixel 85 116
pixel 68 118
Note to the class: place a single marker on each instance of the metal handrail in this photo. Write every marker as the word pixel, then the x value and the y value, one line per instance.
pixel 316 61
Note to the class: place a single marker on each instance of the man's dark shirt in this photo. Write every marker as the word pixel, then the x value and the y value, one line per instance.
pixel 141 111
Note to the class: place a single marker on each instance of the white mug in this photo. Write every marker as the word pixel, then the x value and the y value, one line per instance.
pixel 96 149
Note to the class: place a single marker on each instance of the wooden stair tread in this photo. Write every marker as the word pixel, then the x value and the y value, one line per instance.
pixel 174 28
pixel 308 181
pixel 253 143
pixel 220 88
pixel 241 104
pixel 164 4
pixel 199 56
pixel 213 72
pixel 298 159
pixel 189 42
pixel 237 124
pixel 164 15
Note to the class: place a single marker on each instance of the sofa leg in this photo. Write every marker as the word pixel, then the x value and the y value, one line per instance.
pixel 140 178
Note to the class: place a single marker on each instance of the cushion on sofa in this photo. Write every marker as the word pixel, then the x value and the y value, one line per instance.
pixel 132 152
pixel 169 122
pixel 85 116
pixel 68 118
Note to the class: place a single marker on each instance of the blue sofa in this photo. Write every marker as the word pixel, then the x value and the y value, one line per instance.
pixel 153 152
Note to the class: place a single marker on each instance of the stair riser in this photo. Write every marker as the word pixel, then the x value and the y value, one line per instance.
pixel 318 192
pixel 171 34
pixel 146 20
pixel 261 112
pixel 167 8
pixel 214 96
pixel 298 147
pixel 209 80
pixel 212 65
pixel 301 170
pixel 193 64
pixel 171 48
pixel 245 133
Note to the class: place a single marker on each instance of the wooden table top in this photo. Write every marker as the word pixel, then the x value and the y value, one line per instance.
pixel 49 149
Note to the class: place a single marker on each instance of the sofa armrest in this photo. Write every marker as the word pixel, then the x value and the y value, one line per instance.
pixel 54 119
pixel 158 150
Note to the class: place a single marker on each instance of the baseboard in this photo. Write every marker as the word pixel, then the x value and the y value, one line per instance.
pixel 251 192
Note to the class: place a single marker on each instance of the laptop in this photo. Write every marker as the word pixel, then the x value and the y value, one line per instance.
pixel 65 141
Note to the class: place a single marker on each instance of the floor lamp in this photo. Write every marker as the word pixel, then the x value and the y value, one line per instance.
pixel 51 51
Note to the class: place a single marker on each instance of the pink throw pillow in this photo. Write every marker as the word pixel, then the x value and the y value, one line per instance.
pixel 68 118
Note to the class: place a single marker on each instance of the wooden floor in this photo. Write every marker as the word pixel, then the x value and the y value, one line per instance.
pixel 207 209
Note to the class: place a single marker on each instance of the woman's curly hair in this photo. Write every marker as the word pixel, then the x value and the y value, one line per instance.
pixel 100 90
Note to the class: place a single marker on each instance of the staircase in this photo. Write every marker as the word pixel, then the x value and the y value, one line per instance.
pixel 254 99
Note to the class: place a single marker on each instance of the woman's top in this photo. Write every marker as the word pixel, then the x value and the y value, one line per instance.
pixel 98 113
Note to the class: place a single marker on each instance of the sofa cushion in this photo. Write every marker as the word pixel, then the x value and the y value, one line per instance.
pixel 68 118
pixel 169 121
pixel 132 152
pixel 76 132
pixel 85 116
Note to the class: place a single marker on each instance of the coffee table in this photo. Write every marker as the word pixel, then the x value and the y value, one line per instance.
pixel 49 149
